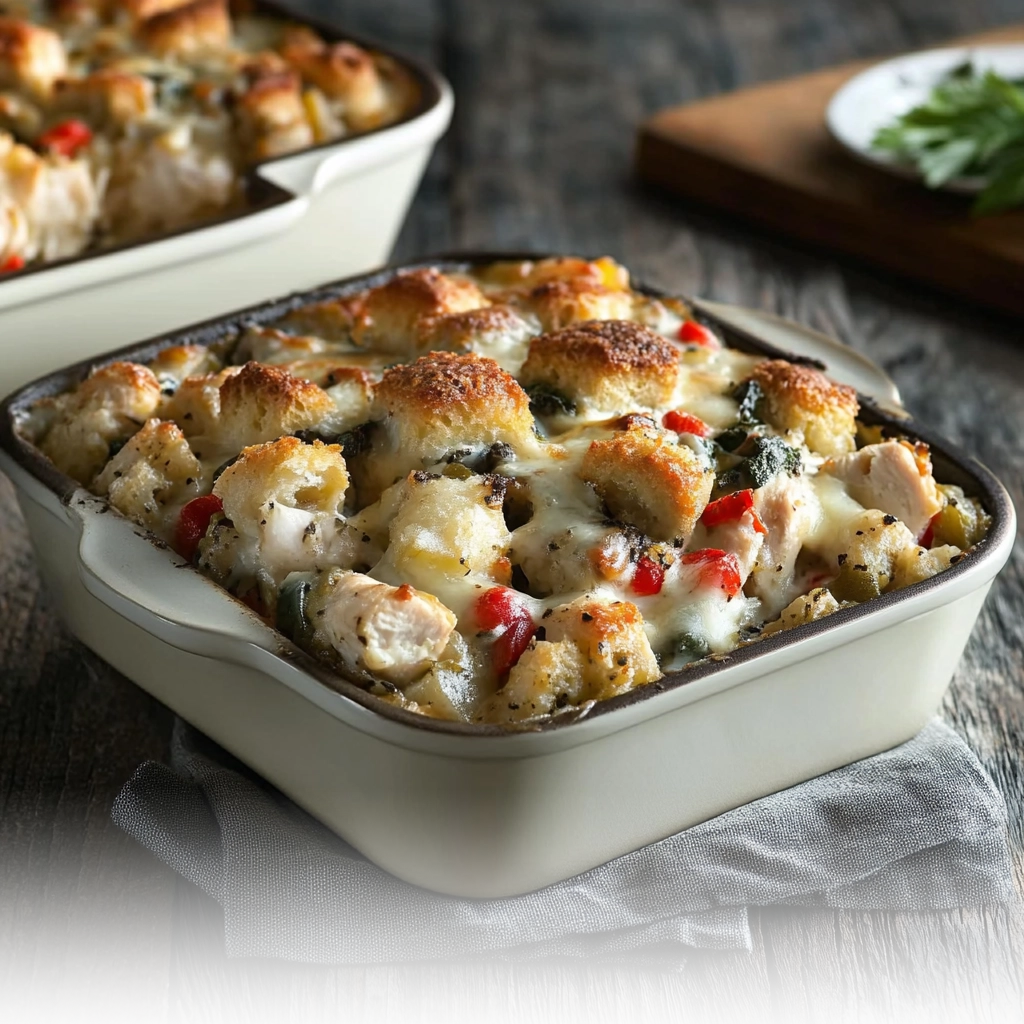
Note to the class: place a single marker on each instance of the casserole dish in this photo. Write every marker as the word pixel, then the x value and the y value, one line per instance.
pixel 327 210
pixel 486 810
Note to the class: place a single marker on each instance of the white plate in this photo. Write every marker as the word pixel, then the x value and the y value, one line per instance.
pixel 878 96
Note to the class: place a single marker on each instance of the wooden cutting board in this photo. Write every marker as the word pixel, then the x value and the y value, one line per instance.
pixel 765 154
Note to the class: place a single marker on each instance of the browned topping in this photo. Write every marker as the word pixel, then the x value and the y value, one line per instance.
pixel 271 383
pixel 617 344
pixel 194 26
pixel 804 386
pixel 440 380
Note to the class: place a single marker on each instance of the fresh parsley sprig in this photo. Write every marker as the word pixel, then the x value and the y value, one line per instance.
pixel 971 124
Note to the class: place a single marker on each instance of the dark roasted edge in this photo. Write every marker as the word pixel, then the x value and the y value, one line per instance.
pixel 952 466
pixel 261 194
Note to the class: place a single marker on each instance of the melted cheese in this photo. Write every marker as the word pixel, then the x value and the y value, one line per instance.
pixel 455 492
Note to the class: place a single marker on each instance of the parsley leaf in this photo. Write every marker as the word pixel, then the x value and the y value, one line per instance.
pixel 971 124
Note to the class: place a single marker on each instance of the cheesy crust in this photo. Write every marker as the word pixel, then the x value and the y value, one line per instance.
pixel 482 518
pixel 140 117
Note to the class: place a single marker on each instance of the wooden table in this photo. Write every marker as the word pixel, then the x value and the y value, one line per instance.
pixel 548 94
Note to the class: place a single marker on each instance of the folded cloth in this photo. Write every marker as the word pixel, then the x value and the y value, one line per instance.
pixel 918 827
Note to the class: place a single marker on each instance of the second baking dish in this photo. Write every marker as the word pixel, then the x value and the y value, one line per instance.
pixel 328 209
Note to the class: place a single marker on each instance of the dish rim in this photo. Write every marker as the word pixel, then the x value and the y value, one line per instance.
pixel 957 467
pixel 262 194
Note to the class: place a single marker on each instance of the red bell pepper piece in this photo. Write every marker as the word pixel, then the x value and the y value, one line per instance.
pixel 501 608
pixel 685 423
pixel 929 532
pixel 730 508
pixel 11 264
pixel 66 138
pixel 694 333
pixel 193 522
pixel 720 569
pixel 648 577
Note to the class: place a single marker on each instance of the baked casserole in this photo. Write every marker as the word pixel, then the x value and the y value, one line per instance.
pixel 124 119
pixel 500 494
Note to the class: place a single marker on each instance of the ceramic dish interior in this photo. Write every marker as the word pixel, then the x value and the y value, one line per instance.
pixel 951 466
pixel 260 190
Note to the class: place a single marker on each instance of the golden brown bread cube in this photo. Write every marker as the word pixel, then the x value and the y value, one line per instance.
pixel 803 398
pixel 390 316
pixel 109 405
pixel 271 116
pixel 483 330
pixel 441 403
pixel 559 303
pixel 647 480
pixel 342 71
pixel 609 366
pixel 31 57
pixel 261 403
pixel 593 649
pixel 105 96
pixel 193 28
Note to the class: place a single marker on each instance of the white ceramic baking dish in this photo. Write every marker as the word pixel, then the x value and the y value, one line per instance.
pixel 324 212
pixel 482 810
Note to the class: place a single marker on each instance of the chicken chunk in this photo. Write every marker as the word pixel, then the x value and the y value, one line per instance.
pixel 393 633
pixel 152 476
pixel 894 476
pixel 49 205
pixel 284 499
pixel 789 509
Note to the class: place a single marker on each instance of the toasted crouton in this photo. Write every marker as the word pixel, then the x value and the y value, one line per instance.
pixel 610 635
pixel 192 28
pixel 261 403
pixel 390 315
pixel 271 115
pixel 441 403
pixel 486 330
pixel 650 482
pixel 560 303
pixel 801 398
pixel 108 406
pixel 31 57
pixel 606 365
pixel 342 71
pixel 105 95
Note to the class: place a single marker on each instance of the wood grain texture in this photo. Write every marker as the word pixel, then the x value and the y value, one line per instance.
pixel 764 153
pixel 549 96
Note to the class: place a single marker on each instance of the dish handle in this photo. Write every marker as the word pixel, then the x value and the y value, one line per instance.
pixel 119 565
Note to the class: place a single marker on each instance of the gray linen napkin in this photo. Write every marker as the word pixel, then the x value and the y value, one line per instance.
pixel 919 827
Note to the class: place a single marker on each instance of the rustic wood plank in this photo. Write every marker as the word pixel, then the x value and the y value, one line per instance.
pixel 78 899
